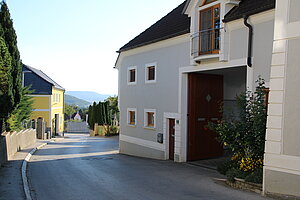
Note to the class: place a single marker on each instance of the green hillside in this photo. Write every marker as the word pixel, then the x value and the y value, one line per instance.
pixel 71 100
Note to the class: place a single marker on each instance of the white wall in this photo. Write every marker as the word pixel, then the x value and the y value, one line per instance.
pixel 282 152
pixel 162 95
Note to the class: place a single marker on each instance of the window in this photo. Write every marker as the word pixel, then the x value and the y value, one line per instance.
pixel 150 73
pixel 149 118
pixel 56 98
pixel 131 75
pixel 209 30
pixel 131 116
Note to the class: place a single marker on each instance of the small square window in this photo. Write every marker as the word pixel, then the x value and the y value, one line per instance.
pixel 131 77
pixel 131 116
pixel 150 73
pixel 149 118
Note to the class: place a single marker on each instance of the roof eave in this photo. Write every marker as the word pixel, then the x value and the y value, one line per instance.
pixel 154 41
pixel 252 12
pixel 186 7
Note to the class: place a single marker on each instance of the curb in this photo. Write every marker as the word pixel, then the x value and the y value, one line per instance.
pixel 24 169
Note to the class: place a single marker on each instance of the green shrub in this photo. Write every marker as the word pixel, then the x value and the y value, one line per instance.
pixel 235 173
pixel 256 176
pixel 226 166
pixel 246 136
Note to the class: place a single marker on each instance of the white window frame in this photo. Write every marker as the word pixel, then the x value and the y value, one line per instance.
pixel 128 116
pixel 154 64
pixel 146 118
pixel 128 75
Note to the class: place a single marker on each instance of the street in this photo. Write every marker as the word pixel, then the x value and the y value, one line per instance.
pixel 83 167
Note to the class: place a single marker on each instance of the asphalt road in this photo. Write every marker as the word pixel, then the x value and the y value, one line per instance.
pixel 87 168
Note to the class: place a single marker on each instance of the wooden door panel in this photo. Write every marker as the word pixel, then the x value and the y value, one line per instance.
pixel 205 94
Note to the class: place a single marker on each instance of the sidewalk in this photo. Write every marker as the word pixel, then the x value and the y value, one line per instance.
pixel 11 185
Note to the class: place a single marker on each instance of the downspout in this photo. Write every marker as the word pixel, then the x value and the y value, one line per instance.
pixel 250 41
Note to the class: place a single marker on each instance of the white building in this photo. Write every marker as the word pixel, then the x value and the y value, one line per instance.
pixel 173 76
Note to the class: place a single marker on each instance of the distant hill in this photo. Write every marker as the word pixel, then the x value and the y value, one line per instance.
pixel 88 95
pixel 71 100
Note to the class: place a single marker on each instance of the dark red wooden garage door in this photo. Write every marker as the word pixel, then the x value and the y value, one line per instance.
pixel 205 95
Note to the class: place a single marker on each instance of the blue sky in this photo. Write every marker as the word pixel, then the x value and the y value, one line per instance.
pixel 75 42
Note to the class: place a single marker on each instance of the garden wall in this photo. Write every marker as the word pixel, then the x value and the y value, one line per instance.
pixel 12 142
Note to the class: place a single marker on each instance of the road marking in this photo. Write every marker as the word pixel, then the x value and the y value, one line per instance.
pixel 24 170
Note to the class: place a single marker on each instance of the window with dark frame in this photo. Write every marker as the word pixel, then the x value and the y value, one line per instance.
pixel 209 30
pixel 151 73
pixel 132 117
pixel 132 75
pixel 150 119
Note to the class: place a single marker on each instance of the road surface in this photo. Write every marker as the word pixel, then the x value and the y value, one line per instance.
pixel 87 168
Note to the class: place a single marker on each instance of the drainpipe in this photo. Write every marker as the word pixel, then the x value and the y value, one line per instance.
pixel 250 39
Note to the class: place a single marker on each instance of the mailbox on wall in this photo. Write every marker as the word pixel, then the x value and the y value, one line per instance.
pixel 160 138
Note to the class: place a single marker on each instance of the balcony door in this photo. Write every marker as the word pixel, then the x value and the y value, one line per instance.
pixel 209 30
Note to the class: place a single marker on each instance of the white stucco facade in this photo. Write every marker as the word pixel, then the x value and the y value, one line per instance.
pixel 282 150
pixel 159 96
pixel 173 61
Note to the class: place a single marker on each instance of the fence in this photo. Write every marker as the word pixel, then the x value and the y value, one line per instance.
pixel 77 127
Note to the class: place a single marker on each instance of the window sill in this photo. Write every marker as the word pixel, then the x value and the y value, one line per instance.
pixel 132 125
pixel 206 56
pixel 149 128
pixel 150 82
pixel 131 83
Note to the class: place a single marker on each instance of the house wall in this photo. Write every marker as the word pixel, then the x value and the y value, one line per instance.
pixel 46 106
pixel 263 31
pixel 41 108
pixel 236 48
pixel 169 94
pixel 57 107
pixel 282 152
pixel 41 102
pixel 162 95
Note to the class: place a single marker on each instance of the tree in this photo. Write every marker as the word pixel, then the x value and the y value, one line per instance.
pixel 6 89
pixel 92 113
pixel 106 113
pixel 99 113
pixel 9 35
pixel 113 109
pixel 90 116
pixel 22 112
pixel 69 110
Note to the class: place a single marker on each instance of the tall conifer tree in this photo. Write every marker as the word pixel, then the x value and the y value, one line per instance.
pixel 6 94
pixel 9 35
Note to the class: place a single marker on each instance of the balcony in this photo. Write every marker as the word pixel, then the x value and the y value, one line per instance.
pixel 205 42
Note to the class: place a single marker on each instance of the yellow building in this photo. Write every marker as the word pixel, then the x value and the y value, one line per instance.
pixel 48 99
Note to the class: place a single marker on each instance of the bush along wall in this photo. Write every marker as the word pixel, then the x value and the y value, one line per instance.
pixel 245 136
